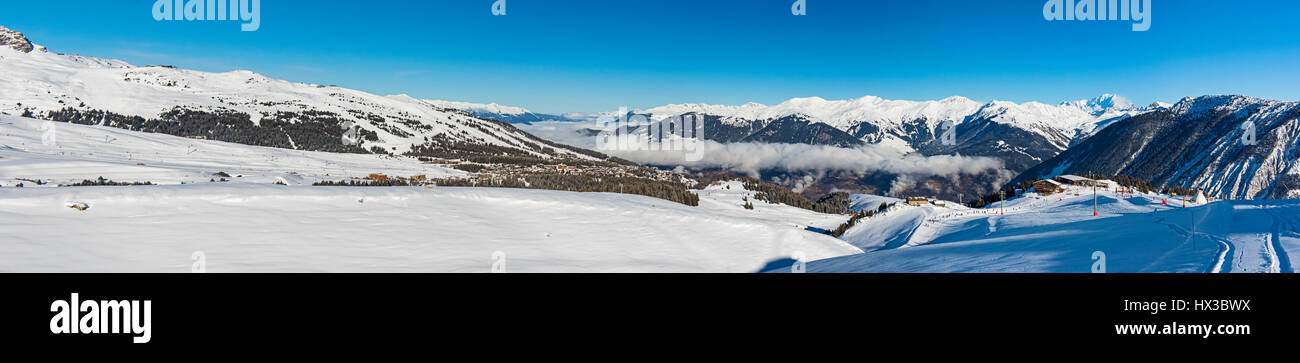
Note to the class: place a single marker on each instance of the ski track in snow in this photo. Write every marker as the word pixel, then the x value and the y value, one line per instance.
pixel 1222 260
pixel 1280 256
pixel 1138 233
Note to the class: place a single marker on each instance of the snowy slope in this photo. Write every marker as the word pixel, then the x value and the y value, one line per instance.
pixel 267 228
pixel 862 202
pixel 79 152
pixel 1137 233
pixel 251 225
pixel 41 82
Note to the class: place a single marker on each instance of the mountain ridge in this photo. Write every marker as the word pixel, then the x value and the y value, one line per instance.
pixel 1022 134
pixel 250 108
pixel 499 112
pixel 1199 143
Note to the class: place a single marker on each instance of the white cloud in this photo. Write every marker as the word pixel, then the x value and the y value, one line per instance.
pixel 750 158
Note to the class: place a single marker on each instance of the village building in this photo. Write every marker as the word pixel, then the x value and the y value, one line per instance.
pixel 1075 180
pixel 1048 187
pixel 1107 184
pixel 1086 182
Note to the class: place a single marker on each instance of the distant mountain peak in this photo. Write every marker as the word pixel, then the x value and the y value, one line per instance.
pixel 492 108
pixel 956 99
pixel 1109 101
pixel 499 112
pixel 15 40
pixel 1102 104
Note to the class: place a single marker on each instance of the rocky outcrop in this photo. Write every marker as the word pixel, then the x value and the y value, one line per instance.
pixel 15 40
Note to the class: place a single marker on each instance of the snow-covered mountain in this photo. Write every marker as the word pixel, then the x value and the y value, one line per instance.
pixel 1201 143
pixel 842 114
pixel 1020 134
pixel 248 108
pixel 494 111
pixel 1063 123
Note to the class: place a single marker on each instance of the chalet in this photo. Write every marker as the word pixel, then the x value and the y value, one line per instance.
pixel 1048 187
pixel 1107 184
pixel 1076 180
pixel 378 177
pixel 917 201
pixel 1087 182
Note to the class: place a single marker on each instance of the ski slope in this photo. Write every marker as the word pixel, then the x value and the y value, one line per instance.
pixel 1136 233
pixel 270 228
pixel 249 224
pixel 77 152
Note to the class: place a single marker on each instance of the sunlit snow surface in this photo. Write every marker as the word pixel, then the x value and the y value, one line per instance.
pixel 1135 233
pixel 253 225
pixel 250 224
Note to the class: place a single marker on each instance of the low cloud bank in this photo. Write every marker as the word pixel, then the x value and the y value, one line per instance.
pixel 751 158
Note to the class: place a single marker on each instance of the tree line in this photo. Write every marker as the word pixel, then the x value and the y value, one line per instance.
pixel 833 203
pixel 670 191
pixel 104 182
pixel 855 217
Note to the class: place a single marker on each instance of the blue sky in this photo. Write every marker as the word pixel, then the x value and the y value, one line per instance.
pixel 597 55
